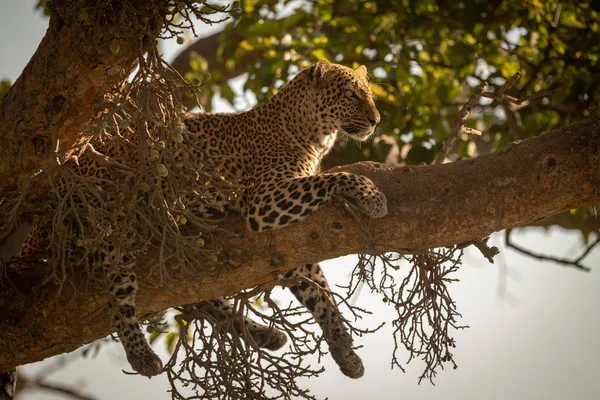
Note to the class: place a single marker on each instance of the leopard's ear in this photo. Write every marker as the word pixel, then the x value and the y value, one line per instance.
pixel 317 72
pixel 361 71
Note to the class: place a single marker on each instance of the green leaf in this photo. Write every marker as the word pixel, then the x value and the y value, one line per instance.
pixel 171 341
pixel 4 87
pixel 155 335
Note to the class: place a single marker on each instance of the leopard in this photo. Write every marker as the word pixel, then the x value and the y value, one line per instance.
pixel 274 151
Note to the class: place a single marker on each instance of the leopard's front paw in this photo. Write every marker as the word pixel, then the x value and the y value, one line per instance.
pixel 367 197
pixel 375 205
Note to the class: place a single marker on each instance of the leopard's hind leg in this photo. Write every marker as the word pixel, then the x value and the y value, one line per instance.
pixel 123 288
pixel 325 311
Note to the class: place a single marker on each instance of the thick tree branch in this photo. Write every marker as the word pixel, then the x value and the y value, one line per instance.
pixel 429 206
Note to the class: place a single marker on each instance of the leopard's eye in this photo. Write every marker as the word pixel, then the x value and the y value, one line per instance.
pixel 352 94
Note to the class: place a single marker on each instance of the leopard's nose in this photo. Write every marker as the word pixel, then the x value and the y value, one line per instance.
pixel 374 117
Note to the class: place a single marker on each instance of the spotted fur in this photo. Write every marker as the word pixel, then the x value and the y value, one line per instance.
pixel 274 151
pixel 323 308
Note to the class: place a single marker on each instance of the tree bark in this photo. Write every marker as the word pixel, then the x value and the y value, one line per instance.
pixel 62 87
pixel 429 206
pixel 59 90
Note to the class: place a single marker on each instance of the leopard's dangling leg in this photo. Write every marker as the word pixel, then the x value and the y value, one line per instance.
pixel 8 384
pixel 326 313
pixel 123 288
pixel 263 336
pixel 122 291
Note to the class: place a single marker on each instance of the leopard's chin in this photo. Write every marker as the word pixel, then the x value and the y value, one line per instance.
pixel 359 133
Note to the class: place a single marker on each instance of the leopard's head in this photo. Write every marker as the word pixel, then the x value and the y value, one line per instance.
pixel 343 99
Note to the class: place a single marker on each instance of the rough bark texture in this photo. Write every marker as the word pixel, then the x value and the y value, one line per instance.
pixel 62 87
pixel 59 90
pixel 429 206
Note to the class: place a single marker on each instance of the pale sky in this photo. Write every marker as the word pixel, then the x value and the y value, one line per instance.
pixel 539 340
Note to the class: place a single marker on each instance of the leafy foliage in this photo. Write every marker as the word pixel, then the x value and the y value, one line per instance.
pixel 425 57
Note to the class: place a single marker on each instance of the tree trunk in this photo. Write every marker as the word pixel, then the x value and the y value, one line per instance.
pixel 62 87
pixel 429 206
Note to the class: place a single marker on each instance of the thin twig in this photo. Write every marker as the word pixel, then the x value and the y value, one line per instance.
pixel 26 383
pixel 498 94
pixel 576 263
pixel 459 123
pixel 488 252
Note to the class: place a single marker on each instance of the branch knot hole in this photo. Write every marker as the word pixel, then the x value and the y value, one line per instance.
pixel 41 144
pixel 56 105
pixel 278 260
pixel 549 161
